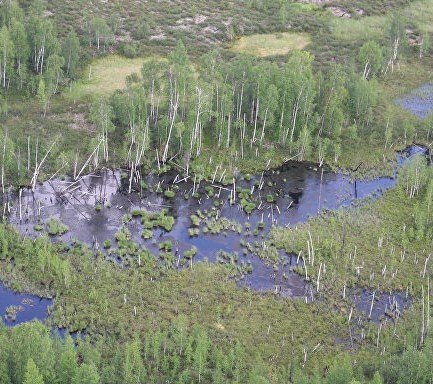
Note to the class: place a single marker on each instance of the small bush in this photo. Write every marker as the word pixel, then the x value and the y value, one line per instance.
pixel 147 234
pixel 270 199
pixel 55 227
pixel 169 194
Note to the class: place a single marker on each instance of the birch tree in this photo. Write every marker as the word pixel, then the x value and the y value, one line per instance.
pixel 370 57
pixel 100 32
pixel 332 101
pixel 362 99
pixel 44 41
pixel 6 55
pixel 42 95
pixel 101 114
pixel 71 53
pixel 54 73
pixel 21 49
pixel 396 39
pixel 298 95
pixel 10 10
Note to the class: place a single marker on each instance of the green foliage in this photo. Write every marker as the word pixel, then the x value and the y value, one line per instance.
pixel 169 194
pixel 371 58
pixel 248 206
pixel 155 219
pixel 55 227
pixel 270 198
pixel 100 33
pixel 146 234
pixel 67 366
pixel 133 368
pixel 86 374
pixel 167 245
pixel 341 372
pixel 71 53
pixel 190 253
pixel 32 375
pixel 123 235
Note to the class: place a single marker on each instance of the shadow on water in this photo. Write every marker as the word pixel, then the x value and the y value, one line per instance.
pixel 94 208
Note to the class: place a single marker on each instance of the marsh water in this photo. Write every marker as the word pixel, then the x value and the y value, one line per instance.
pixel 17 308
pixel 94 208
pixel 419 102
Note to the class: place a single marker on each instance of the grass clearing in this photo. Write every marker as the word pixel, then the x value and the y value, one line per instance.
pixel 273 44
pixel 105 75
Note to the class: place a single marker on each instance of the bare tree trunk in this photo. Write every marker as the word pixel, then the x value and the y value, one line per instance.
pixel 173 118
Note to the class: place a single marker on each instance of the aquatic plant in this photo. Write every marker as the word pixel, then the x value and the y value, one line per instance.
pixel 146 234
pixel 169 194
pixel 190 253
pixel 270 198
pixel 123 235
pixel 166 245
pixel 55 227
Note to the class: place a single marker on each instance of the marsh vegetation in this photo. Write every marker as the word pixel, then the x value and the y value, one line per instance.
pixel 214 192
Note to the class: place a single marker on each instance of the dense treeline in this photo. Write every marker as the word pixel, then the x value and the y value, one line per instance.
pixel 246 106
pixel 36 63
pixel 32 354
pixel 34 59
pixel 242 105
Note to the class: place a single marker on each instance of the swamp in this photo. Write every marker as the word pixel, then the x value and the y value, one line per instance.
pixel 216 192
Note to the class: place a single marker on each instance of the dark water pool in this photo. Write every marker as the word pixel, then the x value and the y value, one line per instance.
pixel 17 308
pixel 381 306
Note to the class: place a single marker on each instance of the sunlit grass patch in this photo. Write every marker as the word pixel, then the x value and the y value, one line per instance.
pixel 264 45
pixel 105 75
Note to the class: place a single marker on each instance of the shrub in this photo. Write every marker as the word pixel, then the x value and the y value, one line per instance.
pixel 55 227
pixel 169 194
pixel 270 198
pixel 147 234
